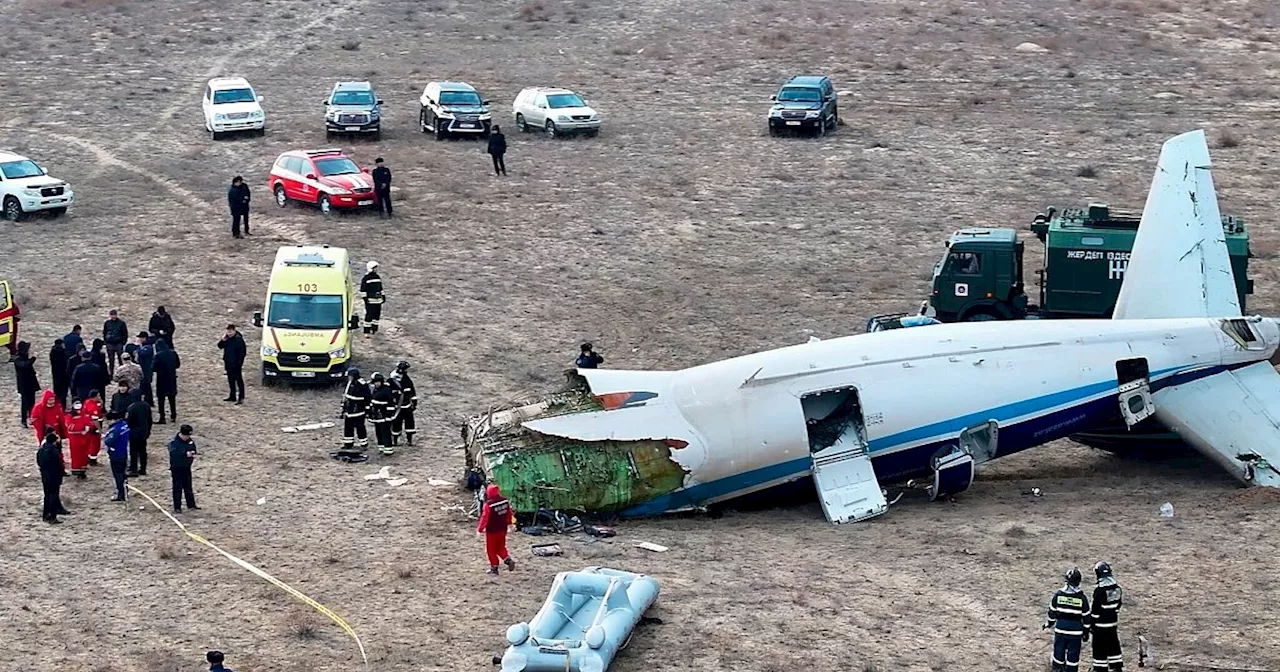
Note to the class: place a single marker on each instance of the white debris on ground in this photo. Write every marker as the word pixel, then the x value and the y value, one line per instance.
pixel 1030 48
pixel 306 428
pixel 383 474
pixel 656 548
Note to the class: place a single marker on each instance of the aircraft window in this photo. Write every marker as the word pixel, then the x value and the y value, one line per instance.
pixel 1240 331
pixel 964 263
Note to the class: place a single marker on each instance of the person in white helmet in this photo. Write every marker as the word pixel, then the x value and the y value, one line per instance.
pixel 371 293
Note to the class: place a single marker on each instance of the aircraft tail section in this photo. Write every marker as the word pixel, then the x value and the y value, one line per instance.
pixel 1179 266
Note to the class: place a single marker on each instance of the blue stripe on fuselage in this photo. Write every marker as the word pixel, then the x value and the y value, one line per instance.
pixel 1080 413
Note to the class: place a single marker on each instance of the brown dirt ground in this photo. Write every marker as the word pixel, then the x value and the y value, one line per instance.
pixel 681 235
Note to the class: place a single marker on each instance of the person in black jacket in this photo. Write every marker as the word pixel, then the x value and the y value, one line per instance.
pixel 238 201
pixel 143 349
pixel 382 187
pixel 403 385
pixel 138 417
pixel 73 340
pixel 24 369
pixel 115 333
pixel 58 358
pixel 588 358
pixel 383 405
pixel 161 325
pixel 355 402
pixel 215 658
pixel 498 149
pixel 1105 616
pixel 52 470
pixel 165 370
pixel 121 399
pixel 182 454
pixel 1068 615
pixel 233 352
pixel 86 376
pixel 100 358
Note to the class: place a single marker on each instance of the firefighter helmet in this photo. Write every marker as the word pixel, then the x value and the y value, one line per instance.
pixel 377 377
pixel 402 366
pixel 1102 569
pixel 1073 577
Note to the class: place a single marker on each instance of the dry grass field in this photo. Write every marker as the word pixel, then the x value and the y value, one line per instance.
pixel 682 234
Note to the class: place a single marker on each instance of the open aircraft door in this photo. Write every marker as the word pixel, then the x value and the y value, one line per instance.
pixel 842 471
pixel 8 318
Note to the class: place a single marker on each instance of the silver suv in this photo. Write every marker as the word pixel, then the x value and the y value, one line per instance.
pixel 353 107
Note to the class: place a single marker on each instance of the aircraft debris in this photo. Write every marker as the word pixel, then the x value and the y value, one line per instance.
pixel 437 481
pixel 1166 510
pixel 261 500
pixel 383 474
pixel 394 482
pixel 546 550
pixel 306 428
pixel 656 548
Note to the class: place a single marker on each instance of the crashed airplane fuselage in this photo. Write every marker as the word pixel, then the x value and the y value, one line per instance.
pixel 861 411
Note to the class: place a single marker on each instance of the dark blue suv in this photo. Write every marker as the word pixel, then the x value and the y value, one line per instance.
pixel 805 103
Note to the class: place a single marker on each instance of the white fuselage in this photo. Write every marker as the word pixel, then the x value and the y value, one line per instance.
pixel 920 387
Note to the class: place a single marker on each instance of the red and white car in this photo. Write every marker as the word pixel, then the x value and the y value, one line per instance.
pixel 325 177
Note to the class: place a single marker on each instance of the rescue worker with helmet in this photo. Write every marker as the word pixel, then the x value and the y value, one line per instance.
pixel 408 404
pixel 1069 618
pixel 384 404
pixel 371 293
pixel 355 401
pixel 1106 617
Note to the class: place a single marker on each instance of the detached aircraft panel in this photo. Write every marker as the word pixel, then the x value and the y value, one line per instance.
pixel 1179 266
pixel 1232 417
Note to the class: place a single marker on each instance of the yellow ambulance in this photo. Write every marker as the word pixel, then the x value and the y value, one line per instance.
pixel 309 316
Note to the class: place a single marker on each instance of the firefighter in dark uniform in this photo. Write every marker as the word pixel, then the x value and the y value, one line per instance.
pixel 1069 618
pixel 1106 616
pixel 371 293
pixel 355 402
pixel 382 411
pixel 408 404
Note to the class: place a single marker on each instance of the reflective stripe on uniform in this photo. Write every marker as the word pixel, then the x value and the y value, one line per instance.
pixel 1104 625
pixel 1068 632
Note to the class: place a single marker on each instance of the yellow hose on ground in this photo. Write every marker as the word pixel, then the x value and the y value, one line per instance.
pixel 267 577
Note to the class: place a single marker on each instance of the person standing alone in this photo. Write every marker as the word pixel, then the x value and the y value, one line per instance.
pixel 233 353
pixel 182 454
pixel 138 416
pixel 24 370
pixel 238 201
pixel 497 150
pixel 495 518
pixel 382 187
pixel 371 293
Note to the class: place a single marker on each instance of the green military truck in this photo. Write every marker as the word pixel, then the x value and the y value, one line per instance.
pixel 1086 252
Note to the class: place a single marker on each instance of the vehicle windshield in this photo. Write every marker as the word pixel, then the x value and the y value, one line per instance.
pixel 338 166
pixel 352 98
pixel 305 311
pixel 559 100
pixel 459 98
pixel 14 170
pixel 234 96
pixel 799 94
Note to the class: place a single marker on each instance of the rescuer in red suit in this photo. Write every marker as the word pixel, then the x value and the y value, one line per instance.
pixel 80 428
pixel 495 518
pixel 48 413
pixel 93 409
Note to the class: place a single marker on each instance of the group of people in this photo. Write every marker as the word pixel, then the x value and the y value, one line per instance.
pixel 1073 620
pixel 143 372
pixel 387 401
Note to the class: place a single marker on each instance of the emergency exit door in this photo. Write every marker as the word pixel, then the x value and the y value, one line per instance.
pixel 1133 376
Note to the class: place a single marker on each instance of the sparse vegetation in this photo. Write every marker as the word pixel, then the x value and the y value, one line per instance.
pixel 303 625
pixel 350 45
pixel 532 12
pixel 1087 172
pixel 405 572
pixel 1226 140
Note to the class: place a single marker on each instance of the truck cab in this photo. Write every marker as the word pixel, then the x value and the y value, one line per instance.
pixel 979 277
pixel 309 315
pixel 1086 253
pixel 8 319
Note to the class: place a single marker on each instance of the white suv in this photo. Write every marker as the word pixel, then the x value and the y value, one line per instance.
pixel 230 105
pixel 554 111
pixel 26 188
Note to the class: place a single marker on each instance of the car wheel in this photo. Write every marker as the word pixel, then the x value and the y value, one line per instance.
pixel 57 212
pixel 773 131
pixel 521 124
pixel 440 132
pixel 593 133
pixel 12 209
pixel 822 128
pixel 326 207
pixel 282 199
pixel 262 131
pixel 422 120
pixel 377 135
pixel 214 135
pixel 328 134
pixel 551 129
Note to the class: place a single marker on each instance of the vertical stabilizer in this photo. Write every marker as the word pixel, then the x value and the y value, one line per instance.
pixel 1179 266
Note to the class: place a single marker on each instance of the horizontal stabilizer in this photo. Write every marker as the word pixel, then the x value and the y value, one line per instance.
pixel 1179 266
pixel 1232 417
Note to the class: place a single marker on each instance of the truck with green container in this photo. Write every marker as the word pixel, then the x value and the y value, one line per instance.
pixel 1086 252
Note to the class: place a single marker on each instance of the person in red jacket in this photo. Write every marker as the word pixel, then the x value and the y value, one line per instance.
pixel 80 428
pixel 495 518
pixel 48 413
pixel 93 409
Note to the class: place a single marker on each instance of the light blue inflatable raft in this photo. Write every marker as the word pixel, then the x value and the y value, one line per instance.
pixel 586 619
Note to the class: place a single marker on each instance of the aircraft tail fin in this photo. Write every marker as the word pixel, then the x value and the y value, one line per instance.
pixel 1179 266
